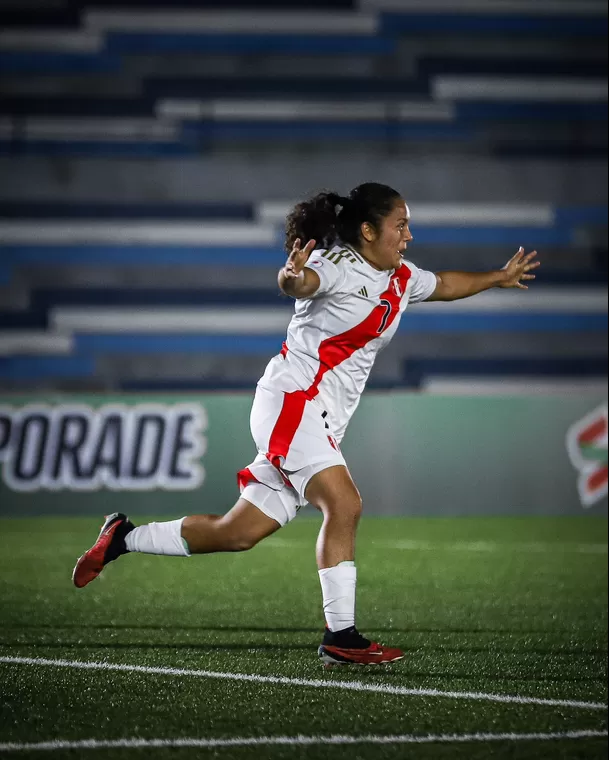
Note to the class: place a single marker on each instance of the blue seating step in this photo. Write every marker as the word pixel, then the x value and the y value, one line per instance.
pixel 504 24
pixel 415 369
pixel 513 66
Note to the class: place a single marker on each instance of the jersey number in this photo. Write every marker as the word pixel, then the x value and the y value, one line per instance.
pixel 387 305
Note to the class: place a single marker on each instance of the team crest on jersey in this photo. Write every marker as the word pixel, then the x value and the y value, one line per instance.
pixel 397 288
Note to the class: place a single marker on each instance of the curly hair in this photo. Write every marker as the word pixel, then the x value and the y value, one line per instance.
pixel 329 217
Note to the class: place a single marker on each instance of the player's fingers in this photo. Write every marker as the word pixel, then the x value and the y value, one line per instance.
pixel 521 286
pixel 530 256
pixel 528 267
pixel 309 247
pixel 295 250
pixel 528 277
pixel 297 261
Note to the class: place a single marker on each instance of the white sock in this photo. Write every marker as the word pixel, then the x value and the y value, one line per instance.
pixel 158 538
pixel 338 592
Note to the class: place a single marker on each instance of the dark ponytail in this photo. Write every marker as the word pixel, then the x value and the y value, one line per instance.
pixel 328 217
pixel 314 219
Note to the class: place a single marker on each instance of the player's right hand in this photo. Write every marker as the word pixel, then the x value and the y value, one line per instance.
pixel 298 258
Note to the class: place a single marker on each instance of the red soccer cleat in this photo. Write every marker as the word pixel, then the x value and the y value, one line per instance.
pixel 109 546
pixel 349 647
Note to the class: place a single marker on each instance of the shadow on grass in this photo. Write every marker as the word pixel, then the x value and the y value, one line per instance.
pixel 290 629
pixel 412 650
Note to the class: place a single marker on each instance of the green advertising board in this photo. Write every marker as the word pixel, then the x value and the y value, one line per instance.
pixel 410 454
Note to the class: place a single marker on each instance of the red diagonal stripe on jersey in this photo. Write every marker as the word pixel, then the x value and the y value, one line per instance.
pixel 333 351
pixel 245 477
pixel 593 431
pixel 285 428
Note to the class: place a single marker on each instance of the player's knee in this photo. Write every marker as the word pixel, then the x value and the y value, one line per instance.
pixel 347 509
pixel 352 504
pixel 335 494
pixel 242 542
pixel 355 507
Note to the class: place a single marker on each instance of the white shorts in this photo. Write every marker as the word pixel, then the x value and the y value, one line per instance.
pixel 294 443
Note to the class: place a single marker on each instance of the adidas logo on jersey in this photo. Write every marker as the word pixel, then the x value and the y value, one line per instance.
pixel 363 292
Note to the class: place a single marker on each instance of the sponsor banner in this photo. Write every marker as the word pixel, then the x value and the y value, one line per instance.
pixel 410 454
pixel 587 447
pixel 77 447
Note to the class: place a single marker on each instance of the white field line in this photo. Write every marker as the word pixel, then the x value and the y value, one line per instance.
pixel 298 740
pixel 315 683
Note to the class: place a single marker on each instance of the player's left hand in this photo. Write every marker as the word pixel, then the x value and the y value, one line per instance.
pixel 518 268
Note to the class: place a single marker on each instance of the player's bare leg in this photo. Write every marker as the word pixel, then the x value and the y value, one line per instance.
pixel 238 530
pixel 334 493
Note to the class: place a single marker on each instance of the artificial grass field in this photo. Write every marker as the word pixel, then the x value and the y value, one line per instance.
pixel 493 606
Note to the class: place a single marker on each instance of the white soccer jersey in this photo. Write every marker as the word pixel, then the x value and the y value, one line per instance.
pixel 334 337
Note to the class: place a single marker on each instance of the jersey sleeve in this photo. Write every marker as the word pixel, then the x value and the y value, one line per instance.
pixel 330 276
pixel 424 283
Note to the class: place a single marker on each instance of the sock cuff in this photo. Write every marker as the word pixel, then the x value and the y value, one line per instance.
pixel 158 538
pixel 184 541
pixel 339 572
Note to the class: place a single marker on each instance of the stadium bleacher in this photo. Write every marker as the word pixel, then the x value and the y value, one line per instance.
pixel 149 153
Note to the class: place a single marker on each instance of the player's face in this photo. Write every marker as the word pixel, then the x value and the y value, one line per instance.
pixel 393 237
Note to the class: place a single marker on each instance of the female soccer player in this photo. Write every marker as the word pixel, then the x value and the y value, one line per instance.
pixel 350 290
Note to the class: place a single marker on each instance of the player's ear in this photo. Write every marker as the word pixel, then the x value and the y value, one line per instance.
pixel 368 232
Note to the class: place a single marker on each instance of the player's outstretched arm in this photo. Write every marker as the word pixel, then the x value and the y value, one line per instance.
pixel 454 285
pixel 294 278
